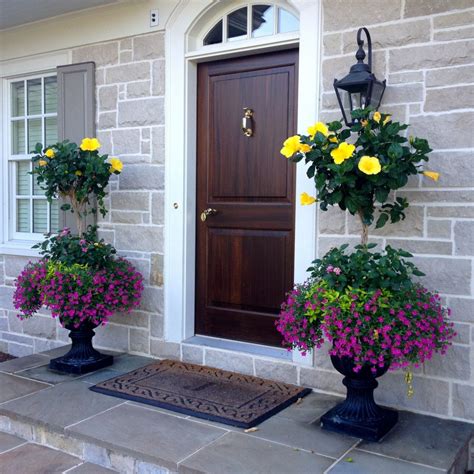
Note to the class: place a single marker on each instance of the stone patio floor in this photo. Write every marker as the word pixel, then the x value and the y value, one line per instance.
pixel 53 423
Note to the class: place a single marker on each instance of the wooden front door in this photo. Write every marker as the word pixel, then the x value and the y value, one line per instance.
pixel 245 247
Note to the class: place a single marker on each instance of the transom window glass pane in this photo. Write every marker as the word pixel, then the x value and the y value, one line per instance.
pixel 237 24
pixel 263 20
pixel 18 99
pixel 18 137
pixel 50 95
pixel 215 35
pixel 34 96
pixel 37 124
pixel 23 179
pixel 287 22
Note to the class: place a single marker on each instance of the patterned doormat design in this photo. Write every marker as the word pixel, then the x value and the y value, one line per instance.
pixel 204 392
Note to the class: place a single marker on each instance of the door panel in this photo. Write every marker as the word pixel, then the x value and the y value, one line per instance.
pixel 244 258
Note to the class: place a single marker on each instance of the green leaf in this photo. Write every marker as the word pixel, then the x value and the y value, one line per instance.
pixel 381 194
pixel 382 220
pixel 395 151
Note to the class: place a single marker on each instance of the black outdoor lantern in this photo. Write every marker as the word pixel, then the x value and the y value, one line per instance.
pixel 360 88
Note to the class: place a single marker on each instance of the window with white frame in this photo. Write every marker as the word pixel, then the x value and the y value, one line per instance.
pixel 32 119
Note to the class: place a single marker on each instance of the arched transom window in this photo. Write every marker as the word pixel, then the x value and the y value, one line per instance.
pixel 252 21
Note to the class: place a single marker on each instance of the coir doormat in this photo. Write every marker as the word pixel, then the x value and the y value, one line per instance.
pixel 204 392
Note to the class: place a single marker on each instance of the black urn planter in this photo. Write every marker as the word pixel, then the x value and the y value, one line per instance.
pixel 82 357
pixel 358 415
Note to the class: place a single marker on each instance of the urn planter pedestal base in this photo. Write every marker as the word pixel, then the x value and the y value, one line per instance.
pixel 358 415
pixel 82 357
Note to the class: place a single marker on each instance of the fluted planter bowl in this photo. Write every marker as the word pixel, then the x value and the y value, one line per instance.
pixel 82 357
pixel 358 415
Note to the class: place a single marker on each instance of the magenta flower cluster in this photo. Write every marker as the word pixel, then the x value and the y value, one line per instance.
pixel 77 293
pixel 374 328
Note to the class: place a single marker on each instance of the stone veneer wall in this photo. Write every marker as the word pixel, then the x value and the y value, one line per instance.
pixel 130 124
pixel 423 49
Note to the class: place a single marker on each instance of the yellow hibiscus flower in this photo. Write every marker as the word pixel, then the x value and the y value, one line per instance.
pixel 78 173
pixel 364 123
pixel 370 165
pixel 49 153
pixel 115 165
pixel 377 116
pixel 332 139
pixel 431 174
pixel 42 162
pixel 318 127
pixel 387 119
pixel 89 144
pixel 342 152
pixel 306 199
pixel 293 145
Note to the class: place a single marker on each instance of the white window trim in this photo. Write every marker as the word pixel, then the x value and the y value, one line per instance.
pixel 183 50
pixel 38 65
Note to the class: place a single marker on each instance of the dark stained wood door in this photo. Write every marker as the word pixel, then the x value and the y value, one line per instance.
pixel 245 251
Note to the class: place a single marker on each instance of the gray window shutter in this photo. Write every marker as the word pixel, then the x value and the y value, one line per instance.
pixel 76 113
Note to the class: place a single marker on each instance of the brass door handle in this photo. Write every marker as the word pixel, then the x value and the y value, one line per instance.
pixel 208 212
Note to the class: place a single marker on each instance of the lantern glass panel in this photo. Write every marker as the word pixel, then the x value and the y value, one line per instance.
pixel 378 89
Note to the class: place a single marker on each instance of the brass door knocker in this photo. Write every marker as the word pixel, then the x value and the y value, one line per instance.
pixel 247 122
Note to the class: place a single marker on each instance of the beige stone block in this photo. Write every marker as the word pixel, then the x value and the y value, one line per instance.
pixel 445 274
pixel 158 144
pixel 135 159
pixel 445 130
pixel 405 77
pixel 339 67
pixel 341 14
pixel 158 75
pixel 140 112
pixel 128 73
pixel 157 266
pixel 455 364
pixel 108 96
pixel 15 264
pixel 99 76
pixel 192 354
pixel 439 229
pixel 126 44
pixel 111 336
pixel 332 221
pixel 323 380
pixel 454 19
pixel 105 139
pixel 402 94
pixel 40 326
pixel 126 141
pixel 276 370
pixel 135 318
pixel 146 146
pixel 138 89
pixel 152 301
pixel 6 297
pixel 449 98
pixel 102 54
pixel 448 76
pixel 126 217
pixel 332 44
pixel 431 56
pixel 462 309
pixel 432 247
pixel 228 361
pixel 139 340
pixel 165 350
pixel 107 120
pixel 451 211
pixel 411 226
pixel 130 200
pixel 463 401
pixel 430 396
pixel 126 57
pixel 430 7
pixel 327 243
pixel 391 36
pixel 456 34
pixel 139 238
pixel 425 196
pixel 156 325
pixel 149 46
pixel 146 133
pixel 158 208
pixel 464 238
pixel 456 169
pixel 62 442
pixel 142 177
pixel 463 333
pixel 329 101
pixel 14 323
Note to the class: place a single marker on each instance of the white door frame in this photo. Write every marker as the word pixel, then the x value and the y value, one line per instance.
pixel 180 144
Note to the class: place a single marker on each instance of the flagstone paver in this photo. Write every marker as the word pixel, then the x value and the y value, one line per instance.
pixel 23 363
pixel 8 441
pixel 237 453
pixel 13 387
pixel 60 406
pixel 35 459
pixel 88 468
pixel 160 438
